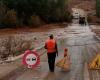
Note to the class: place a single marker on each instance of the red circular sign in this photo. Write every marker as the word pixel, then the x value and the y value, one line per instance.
pixel 31 58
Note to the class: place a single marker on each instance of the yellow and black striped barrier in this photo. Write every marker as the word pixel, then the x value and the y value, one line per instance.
pixel 95 63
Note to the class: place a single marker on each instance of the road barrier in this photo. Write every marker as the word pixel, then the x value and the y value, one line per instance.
pixel 20 56
pixel 95 63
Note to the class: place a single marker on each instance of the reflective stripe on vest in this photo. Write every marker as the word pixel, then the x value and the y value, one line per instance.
pixel 51 43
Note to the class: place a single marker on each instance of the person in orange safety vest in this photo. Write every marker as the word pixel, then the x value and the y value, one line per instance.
pixel 52 51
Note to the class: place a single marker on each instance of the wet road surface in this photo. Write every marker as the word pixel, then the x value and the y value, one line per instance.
pixel 82 47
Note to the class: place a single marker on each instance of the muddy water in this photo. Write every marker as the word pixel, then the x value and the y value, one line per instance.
pixel 82 47
pixel 16 43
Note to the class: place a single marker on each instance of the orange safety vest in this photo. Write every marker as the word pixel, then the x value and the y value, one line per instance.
pixel 51 45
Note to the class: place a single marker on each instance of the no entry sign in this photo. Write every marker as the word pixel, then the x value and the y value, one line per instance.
pixel 31 59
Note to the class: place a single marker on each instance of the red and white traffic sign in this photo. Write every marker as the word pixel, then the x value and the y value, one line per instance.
pixel 31 59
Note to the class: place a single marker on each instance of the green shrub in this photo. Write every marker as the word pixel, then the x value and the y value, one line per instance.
pixel 47 10
pixel 98 7
pixel 53 10
pixel 2 12
pixel 10 18
pixel 89 18
pixel 67 17
pixel 35 20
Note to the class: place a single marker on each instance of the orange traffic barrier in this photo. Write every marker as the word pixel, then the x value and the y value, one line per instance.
pixel 64 63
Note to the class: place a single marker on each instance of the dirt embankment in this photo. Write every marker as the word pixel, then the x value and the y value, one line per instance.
pixel 15 41
pixel 87 5
pixel 96 29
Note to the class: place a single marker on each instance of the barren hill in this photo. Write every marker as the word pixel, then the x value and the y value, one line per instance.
pixel 87 5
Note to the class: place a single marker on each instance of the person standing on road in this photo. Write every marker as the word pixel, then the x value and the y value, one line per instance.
pixel 52 51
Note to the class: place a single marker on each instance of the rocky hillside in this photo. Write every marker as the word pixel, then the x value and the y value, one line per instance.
pixel 87 5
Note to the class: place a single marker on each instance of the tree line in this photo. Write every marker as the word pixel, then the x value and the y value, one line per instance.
pixel 98 8
pixel 29 12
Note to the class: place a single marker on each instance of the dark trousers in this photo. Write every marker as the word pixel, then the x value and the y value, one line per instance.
pixel 51 61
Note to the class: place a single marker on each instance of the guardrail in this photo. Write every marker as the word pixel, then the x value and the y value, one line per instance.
pixel 20 56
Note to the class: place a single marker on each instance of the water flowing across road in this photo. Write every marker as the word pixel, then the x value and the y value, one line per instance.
pixel 82 47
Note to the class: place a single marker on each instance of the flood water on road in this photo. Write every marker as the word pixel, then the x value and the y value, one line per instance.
pixel 82 47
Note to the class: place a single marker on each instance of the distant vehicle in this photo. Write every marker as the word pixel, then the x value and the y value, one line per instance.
pixel 82 20
pixel 76 15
